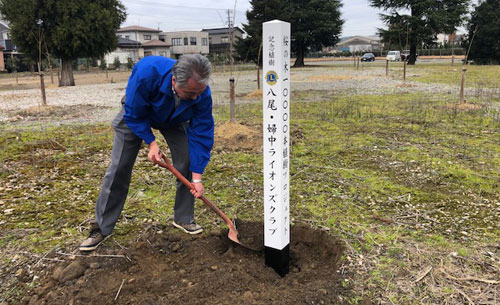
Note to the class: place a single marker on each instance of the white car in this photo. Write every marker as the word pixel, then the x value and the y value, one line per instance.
pixel 394 56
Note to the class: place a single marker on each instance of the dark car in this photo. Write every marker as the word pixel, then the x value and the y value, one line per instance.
pixel 368 57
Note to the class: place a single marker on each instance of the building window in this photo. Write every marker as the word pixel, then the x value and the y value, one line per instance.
pixel 204 42
pixel 147 53
pixel 224 39
pixel 192 41
pixel 127 37
pixel 147 37
pixel 185 41
pixel 162 38
pixel 177 41
pixel 163 53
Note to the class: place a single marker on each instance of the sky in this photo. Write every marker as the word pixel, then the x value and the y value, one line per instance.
pixel 177 15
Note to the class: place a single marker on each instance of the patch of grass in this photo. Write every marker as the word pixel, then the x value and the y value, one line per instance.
pixel 476 76
pixel 389 174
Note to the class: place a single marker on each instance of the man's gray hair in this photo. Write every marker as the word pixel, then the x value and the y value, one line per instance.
pixel 194 66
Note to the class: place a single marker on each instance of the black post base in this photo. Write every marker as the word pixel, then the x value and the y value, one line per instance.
pixel 279 260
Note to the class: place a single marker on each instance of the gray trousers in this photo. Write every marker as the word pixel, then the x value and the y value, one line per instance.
pixel 116 182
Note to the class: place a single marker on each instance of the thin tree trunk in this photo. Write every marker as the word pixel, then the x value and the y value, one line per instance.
pixel 299 61
pixel 67 73
pixel 412 58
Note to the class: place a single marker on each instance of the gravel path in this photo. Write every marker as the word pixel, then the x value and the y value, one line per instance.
pixel 105 97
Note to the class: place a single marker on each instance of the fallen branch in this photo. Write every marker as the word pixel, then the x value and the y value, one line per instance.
pixel 120 289
pixel 465 296
pixel 470 278
pixel 423 274
pixel 45 255
pixel 94 255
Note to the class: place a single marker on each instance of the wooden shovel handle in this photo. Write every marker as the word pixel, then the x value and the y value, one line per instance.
pixel 166 164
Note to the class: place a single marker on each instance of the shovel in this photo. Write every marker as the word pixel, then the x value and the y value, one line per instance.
pixel 233 233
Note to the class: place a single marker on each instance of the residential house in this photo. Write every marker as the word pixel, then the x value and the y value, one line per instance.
pixel 448 39
pixel 139 33
pixel 4 36
pixel 186 42
pixel 7 48
pixel 219 39
pixel 356 44
pixel 126 48
pixel 136 42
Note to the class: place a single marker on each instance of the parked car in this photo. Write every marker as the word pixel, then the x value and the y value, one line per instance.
pixel 405 54
pixel 368 57
pixel 394 56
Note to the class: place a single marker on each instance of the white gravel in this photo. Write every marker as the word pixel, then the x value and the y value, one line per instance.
pixel 339 80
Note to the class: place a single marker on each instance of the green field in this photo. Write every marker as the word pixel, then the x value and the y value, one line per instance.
pixel 409 182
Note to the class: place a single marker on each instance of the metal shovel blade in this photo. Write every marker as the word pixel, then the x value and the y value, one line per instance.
pixel 233 233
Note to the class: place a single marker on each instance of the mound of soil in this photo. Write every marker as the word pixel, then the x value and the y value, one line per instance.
pixel 255 94
pixel 167 267
pixel 235 136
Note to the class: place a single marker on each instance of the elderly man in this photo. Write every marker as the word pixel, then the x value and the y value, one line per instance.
pixel 173 97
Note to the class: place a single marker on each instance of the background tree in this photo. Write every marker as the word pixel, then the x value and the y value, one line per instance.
pixel 71 28
pixel 485 44
pixel 117 63
pixel 314 24
pixel 12 63
pixel 260 12
pixel 104 64
pixel 426 19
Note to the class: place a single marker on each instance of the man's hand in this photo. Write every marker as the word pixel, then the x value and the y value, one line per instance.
pixel 198 186
pixel 198 190
pixel 154 152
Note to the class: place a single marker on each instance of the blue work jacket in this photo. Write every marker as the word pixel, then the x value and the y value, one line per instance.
pixel 150 104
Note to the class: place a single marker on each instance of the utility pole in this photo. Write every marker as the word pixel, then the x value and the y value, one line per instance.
pixel 230 29
pixel 231 79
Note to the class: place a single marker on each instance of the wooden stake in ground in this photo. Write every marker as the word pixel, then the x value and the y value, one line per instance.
pixel 386 67
pixel 404 70
pixel 231 100
pixel 462 86
pixel 258 77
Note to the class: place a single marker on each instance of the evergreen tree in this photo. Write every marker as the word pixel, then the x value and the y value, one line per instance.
pixel 484 33
pixel 261 11
pixel 314 24
pixel 71 29
pixel 425 20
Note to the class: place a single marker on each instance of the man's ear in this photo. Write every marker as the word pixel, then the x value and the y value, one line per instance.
pixel 173 80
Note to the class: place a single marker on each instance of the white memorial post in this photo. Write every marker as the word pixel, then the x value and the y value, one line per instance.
pixel 276 112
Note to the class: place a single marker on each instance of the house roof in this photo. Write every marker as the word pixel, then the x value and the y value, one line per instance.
pixel 221 30
pixel 122 42
pixel 136 28
pixel 364 39
pixel 4 27
pixel 155 43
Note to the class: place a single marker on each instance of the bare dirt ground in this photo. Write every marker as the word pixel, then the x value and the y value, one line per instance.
pixel 167 267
